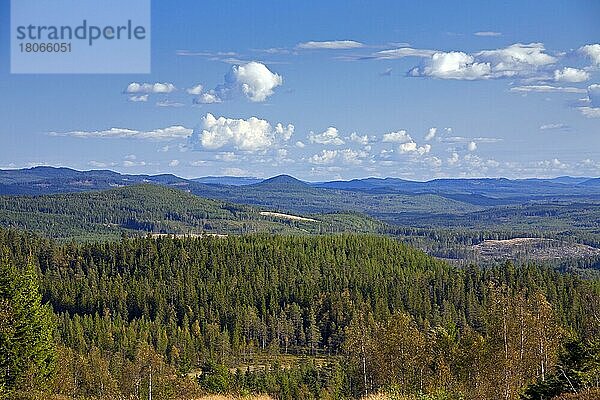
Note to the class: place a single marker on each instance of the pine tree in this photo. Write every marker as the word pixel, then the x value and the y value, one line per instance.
pixel 27 351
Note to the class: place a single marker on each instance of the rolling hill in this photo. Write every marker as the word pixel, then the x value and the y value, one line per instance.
pixel 46 180
pixel 282 193
pixel 287 194
pixel 563 205
pixel 147 208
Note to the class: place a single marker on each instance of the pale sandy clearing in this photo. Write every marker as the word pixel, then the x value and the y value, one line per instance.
pixel 515 241
pixel 534 248
pixel 286 216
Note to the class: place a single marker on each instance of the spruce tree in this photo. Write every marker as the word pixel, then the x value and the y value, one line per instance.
pixel 27 351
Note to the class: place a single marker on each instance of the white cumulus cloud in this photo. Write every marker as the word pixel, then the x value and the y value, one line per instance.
pixel 209 97
pixel 250 134
pixel 434 162
pixel 355 137
pixel 454 158
pixel 285 132
pixel 407 144
pixel 517 60
pixel 592 107
pixel 329 136
pixel 592 51
pixel 158 87
pixel 324 157
pixel 227 156
pixel 555 163
pixel 349 156
pixel 195 90
pixel 594 94
pixel 139 99
pixel 252 80
pixel 431 134
pixel 345 156
pixel 568 74
pixel 397 137
pixel 412 147
pixel 453 65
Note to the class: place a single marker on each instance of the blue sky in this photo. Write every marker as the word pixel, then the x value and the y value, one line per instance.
pixel 348 89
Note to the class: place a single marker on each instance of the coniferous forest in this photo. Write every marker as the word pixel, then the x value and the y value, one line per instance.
pixel 299 200
pixel 295 317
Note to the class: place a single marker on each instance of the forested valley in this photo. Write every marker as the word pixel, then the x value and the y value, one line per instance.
pixel 295 317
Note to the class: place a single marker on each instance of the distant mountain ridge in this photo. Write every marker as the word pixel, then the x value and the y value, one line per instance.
pixel 286 193
pixel 48 180
pixel 547 206
pixel 591 182
pixel 48 175
pixel 283 181
pixel 491 187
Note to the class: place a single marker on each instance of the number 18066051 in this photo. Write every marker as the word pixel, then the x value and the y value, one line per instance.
pixel 45 47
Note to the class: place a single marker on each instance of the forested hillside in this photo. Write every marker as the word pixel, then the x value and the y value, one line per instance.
pixel 564 208
pixel 160 210
pixel 156 209
pixel 304 317
pixel 572 220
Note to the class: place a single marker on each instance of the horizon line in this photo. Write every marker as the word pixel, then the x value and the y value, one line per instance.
pixel 5 169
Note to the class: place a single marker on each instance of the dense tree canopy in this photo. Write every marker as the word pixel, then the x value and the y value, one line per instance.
pixel 26 331
pixel 299 317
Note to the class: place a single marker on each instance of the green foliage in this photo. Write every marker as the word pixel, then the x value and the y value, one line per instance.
pixel 156 209
pixel 578 369
pixel 423 221
pixel 215 378
pixel 561 219
pixel 300 316
pixel 27 353
pixel 299 197
pixel 397 393
pixel 305 380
